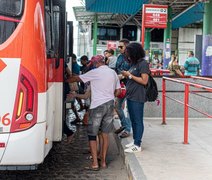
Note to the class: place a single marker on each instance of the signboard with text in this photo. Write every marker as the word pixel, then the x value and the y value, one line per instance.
pixel 111 45
pixel 155 16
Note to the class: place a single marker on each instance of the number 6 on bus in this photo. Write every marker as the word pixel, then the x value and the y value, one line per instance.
pixel 5 120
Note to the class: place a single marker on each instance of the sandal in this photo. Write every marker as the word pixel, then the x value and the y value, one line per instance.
pixel 119 130
pixel 91 168
pixel 90 158
pixel 124 134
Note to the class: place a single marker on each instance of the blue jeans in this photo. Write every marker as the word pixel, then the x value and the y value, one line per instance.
pixel 136 111
pixel 125 121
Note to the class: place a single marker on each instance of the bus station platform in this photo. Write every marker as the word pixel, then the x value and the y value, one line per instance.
pixel 164 156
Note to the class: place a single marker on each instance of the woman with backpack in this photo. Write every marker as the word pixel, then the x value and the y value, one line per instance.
pixel 136 92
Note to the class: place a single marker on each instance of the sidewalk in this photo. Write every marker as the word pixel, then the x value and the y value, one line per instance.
pixel 165 157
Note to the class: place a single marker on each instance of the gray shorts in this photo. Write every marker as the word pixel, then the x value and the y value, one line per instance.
pixel 101 117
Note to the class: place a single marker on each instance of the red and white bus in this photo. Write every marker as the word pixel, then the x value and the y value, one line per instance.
pixel 32 53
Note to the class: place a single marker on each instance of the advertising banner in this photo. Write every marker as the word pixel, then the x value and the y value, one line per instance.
pixel 207 56
pixel 111 45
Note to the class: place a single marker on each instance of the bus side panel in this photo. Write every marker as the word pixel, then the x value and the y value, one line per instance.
pixel 33 139
pixel 46 113
pixel 8 83
pixel 42 107
pixel 50 116
pixel 28 146
pixel 59 102
pixel 3 144
pixel 58 112
pixel 55 101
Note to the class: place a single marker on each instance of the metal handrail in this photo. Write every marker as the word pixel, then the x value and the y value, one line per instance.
pixel 202 78
pixel 186 101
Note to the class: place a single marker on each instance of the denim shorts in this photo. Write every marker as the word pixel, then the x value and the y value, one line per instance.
pixel 101 117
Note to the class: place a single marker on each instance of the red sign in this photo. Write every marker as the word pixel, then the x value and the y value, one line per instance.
pixel 111 45
pixel 155 16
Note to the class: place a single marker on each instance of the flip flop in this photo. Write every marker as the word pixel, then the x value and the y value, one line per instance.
pixel 90 168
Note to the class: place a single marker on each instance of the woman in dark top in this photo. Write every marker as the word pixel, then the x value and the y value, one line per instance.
pixel 136 94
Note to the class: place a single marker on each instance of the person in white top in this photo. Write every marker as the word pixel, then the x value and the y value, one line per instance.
pixel 104 87
pixel 111 59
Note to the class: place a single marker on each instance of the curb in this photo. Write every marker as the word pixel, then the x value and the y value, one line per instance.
pixel 134 169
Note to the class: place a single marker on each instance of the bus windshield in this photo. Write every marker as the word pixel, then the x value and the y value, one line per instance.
pixel 11 7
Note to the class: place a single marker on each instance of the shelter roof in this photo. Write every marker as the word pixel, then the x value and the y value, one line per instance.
pixel 121 12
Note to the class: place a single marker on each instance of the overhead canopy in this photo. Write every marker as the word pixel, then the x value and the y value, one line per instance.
pixel 114 6
pixel 184 12
pixel 191 15
pixel 86 16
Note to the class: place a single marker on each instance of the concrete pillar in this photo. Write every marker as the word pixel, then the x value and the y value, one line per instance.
pixel 121 33
pixel 207 41
pixel 147 43
pixel 167 41
pixel 95 35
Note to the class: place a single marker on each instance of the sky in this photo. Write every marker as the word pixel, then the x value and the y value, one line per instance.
pixel 69 8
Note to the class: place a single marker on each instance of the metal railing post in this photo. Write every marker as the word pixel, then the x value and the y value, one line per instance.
pixel 163 101
pixel 186 101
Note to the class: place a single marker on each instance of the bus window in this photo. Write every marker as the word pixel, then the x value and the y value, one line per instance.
pixel 130 32
pixel 108 33
pixel 6 29
pixel 68 37
pixel 11 7
pixel 69 41
pixel 56 21
pixel 49 29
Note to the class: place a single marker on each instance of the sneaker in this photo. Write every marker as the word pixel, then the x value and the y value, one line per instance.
pixel 133 149
pixel 129 145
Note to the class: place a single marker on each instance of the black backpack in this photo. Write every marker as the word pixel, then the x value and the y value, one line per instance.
pixel 151 90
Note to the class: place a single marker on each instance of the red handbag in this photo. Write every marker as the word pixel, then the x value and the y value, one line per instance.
pixel 123 91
